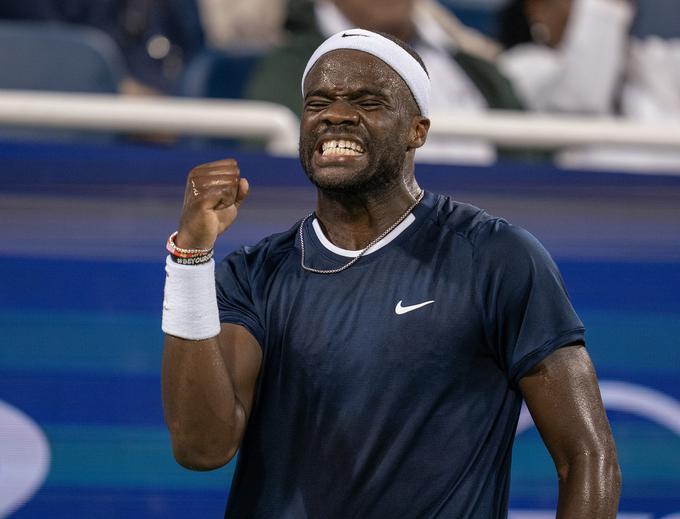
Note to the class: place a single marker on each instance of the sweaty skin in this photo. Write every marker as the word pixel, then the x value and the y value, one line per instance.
pixel 358 197
pixel 564 399
pixel 209 385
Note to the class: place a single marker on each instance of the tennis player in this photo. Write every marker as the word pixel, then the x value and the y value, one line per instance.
pixel 371 361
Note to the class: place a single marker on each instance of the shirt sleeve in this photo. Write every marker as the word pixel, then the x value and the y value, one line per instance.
pixel 235 299
pixel 526 307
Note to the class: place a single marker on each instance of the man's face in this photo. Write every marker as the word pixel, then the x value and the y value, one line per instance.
pixel 357 115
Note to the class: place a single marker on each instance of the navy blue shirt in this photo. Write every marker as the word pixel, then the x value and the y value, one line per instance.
pixel 365 412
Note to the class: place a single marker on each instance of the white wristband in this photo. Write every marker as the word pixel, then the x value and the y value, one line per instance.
pixel 190 302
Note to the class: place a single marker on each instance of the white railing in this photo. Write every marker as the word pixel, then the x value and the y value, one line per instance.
pixel 519 129
pixel 272 123
pixel 278 126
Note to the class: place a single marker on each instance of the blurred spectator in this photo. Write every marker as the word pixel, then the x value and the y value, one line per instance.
pixel 461 81
pixel 566 55
pixel 249 24
pixel 652 89
pixel 468 40
pixel 255 24
pixel 156 37
pixel 578 56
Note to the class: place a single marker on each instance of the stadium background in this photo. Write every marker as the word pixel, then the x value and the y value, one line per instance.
pixel 82 275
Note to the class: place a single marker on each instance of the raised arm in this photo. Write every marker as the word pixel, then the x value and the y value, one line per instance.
pixel 564 399
pixel 209 370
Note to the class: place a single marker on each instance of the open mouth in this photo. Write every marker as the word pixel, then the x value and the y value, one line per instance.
pixel 338 147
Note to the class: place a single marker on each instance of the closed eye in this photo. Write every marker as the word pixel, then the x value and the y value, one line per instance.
pixel 320 104
pixel 369 104
pixel 316 104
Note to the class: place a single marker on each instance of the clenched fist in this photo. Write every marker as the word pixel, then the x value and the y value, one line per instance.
pixel 213 194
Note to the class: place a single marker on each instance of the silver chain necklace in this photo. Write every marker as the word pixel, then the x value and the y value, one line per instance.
pixel 363 251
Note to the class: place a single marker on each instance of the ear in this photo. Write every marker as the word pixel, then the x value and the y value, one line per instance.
pixel 418 131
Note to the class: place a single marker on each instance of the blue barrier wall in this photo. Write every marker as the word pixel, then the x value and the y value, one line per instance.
pixel 81 274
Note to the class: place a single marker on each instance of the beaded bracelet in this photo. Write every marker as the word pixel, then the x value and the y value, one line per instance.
pixel 178 252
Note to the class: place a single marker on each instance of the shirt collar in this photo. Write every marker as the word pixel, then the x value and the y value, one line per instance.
pixel 354 253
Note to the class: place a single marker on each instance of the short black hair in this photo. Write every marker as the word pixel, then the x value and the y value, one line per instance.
pixel 407 48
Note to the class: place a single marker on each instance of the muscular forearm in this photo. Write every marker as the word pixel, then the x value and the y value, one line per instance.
pixel 590 485
pixel 205 417
pixel 209 368
pixel 564 399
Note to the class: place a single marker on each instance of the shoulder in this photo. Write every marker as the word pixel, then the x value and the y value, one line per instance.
pixel 487 235
pixel 510 248
pixel 503 251
pixel 463 219
pixel 250 261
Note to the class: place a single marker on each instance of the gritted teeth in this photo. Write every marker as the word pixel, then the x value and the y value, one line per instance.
pixel 341 147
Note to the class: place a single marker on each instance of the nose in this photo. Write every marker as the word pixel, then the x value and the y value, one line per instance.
pixel 339 112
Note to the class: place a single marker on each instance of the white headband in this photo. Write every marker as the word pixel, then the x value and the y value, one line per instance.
pixel 392 54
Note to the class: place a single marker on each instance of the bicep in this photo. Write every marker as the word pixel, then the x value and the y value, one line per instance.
pixel 564 399
pixel 242 357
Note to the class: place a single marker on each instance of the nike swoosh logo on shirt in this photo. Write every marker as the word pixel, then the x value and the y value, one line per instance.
pixel 399 310
pixel 345 35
